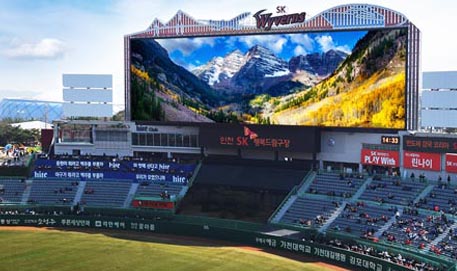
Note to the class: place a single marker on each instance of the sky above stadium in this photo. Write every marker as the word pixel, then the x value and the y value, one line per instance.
pixel 42 39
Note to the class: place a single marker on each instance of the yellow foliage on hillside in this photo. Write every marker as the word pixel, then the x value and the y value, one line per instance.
pixel 375 103
pixel 141 74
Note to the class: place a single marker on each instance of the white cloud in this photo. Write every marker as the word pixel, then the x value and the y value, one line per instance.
pixel 299 50
pixel 278 45
pixel 326 43
pixel 185 46
pixel 43 49
pixel 304 40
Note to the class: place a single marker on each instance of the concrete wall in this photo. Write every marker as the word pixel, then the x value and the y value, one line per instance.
pixel 345 147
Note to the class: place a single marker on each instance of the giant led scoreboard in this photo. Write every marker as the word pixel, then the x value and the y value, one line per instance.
pixel 351 66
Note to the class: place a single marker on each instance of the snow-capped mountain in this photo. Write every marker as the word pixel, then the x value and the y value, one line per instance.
pixel 243 73
pixel 260 70
pixel 263 69
pixel 322 64
pixel 263 62
pixel 220 69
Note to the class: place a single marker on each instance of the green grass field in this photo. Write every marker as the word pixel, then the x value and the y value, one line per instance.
pixel 66 250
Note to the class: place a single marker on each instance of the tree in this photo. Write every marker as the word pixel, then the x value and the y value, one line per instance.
pixel 10 134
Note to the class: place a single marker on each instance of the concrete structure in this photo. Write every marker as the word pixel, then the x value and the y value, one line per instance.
pixel 88 95
pixel 438 101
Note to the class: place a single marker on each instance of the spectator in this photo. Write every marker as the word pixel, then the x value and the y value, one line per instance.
pixel 422 177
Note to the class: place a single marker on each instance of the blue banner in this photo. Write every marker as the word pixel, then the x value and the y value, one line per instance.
pixel 110 165
pixel 109 170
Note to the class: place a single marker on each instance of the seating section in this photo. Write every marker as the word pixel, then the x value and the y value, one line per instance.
pixel 361 219
pixel 338 185
pixel 157 190
pixel 418 225
pixel 448 246
pixel 12 190
pixel 442 197
pixel 53 192
pixel 108 178
pixel 393 191
pixel 416 228
pixel 310 212
pixel 105 193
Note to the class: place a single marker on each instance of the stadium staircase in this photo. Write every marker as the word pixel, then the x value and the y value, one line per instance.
pixel 183 192
pixel 194 175
pixel 334 216
pixel 424 193
pixel 306 183
pixel 79 192
pixel 362 189
pixel 283 209
pixel 131 194
pixel 440 237
pixel 186 188
pixel 292 197
pixel 389 223
pixel 26 194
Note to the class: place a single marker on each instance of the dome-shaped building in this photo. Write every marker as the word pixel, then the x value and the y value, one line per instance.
pixel 22 109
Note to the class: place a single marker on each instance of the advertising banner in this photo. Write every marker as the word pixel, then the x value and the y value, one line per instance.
pixel 430 144
pixel 139 171
pixel 261 137
pixel 109 175
pixel 422 160
pixel 153 204
pixel 451 162
pixel 113 165
pixel 380 158
pixel 350 259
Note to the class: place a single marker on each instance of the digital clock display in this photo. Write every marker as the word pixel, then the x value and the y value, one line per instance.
pixel 391 140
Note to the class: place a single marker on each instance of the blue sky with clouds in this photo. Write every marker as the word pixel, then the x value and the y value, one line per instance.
pixel 192 52
pixel 41 39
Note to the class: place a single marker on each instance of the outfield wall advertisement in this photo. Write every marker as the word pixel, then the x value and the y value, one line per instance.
pixel 330 79
pixel 153 204
pixel 352 260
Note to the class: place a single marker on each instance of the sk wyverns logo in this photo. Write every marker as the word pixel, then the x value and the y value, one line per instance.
pixel 249 133
pixel 266 21
pixel 281 9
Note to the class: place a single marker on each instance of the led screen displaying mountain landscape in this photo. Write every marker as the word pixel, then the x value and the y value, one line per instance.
pixel 335 79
